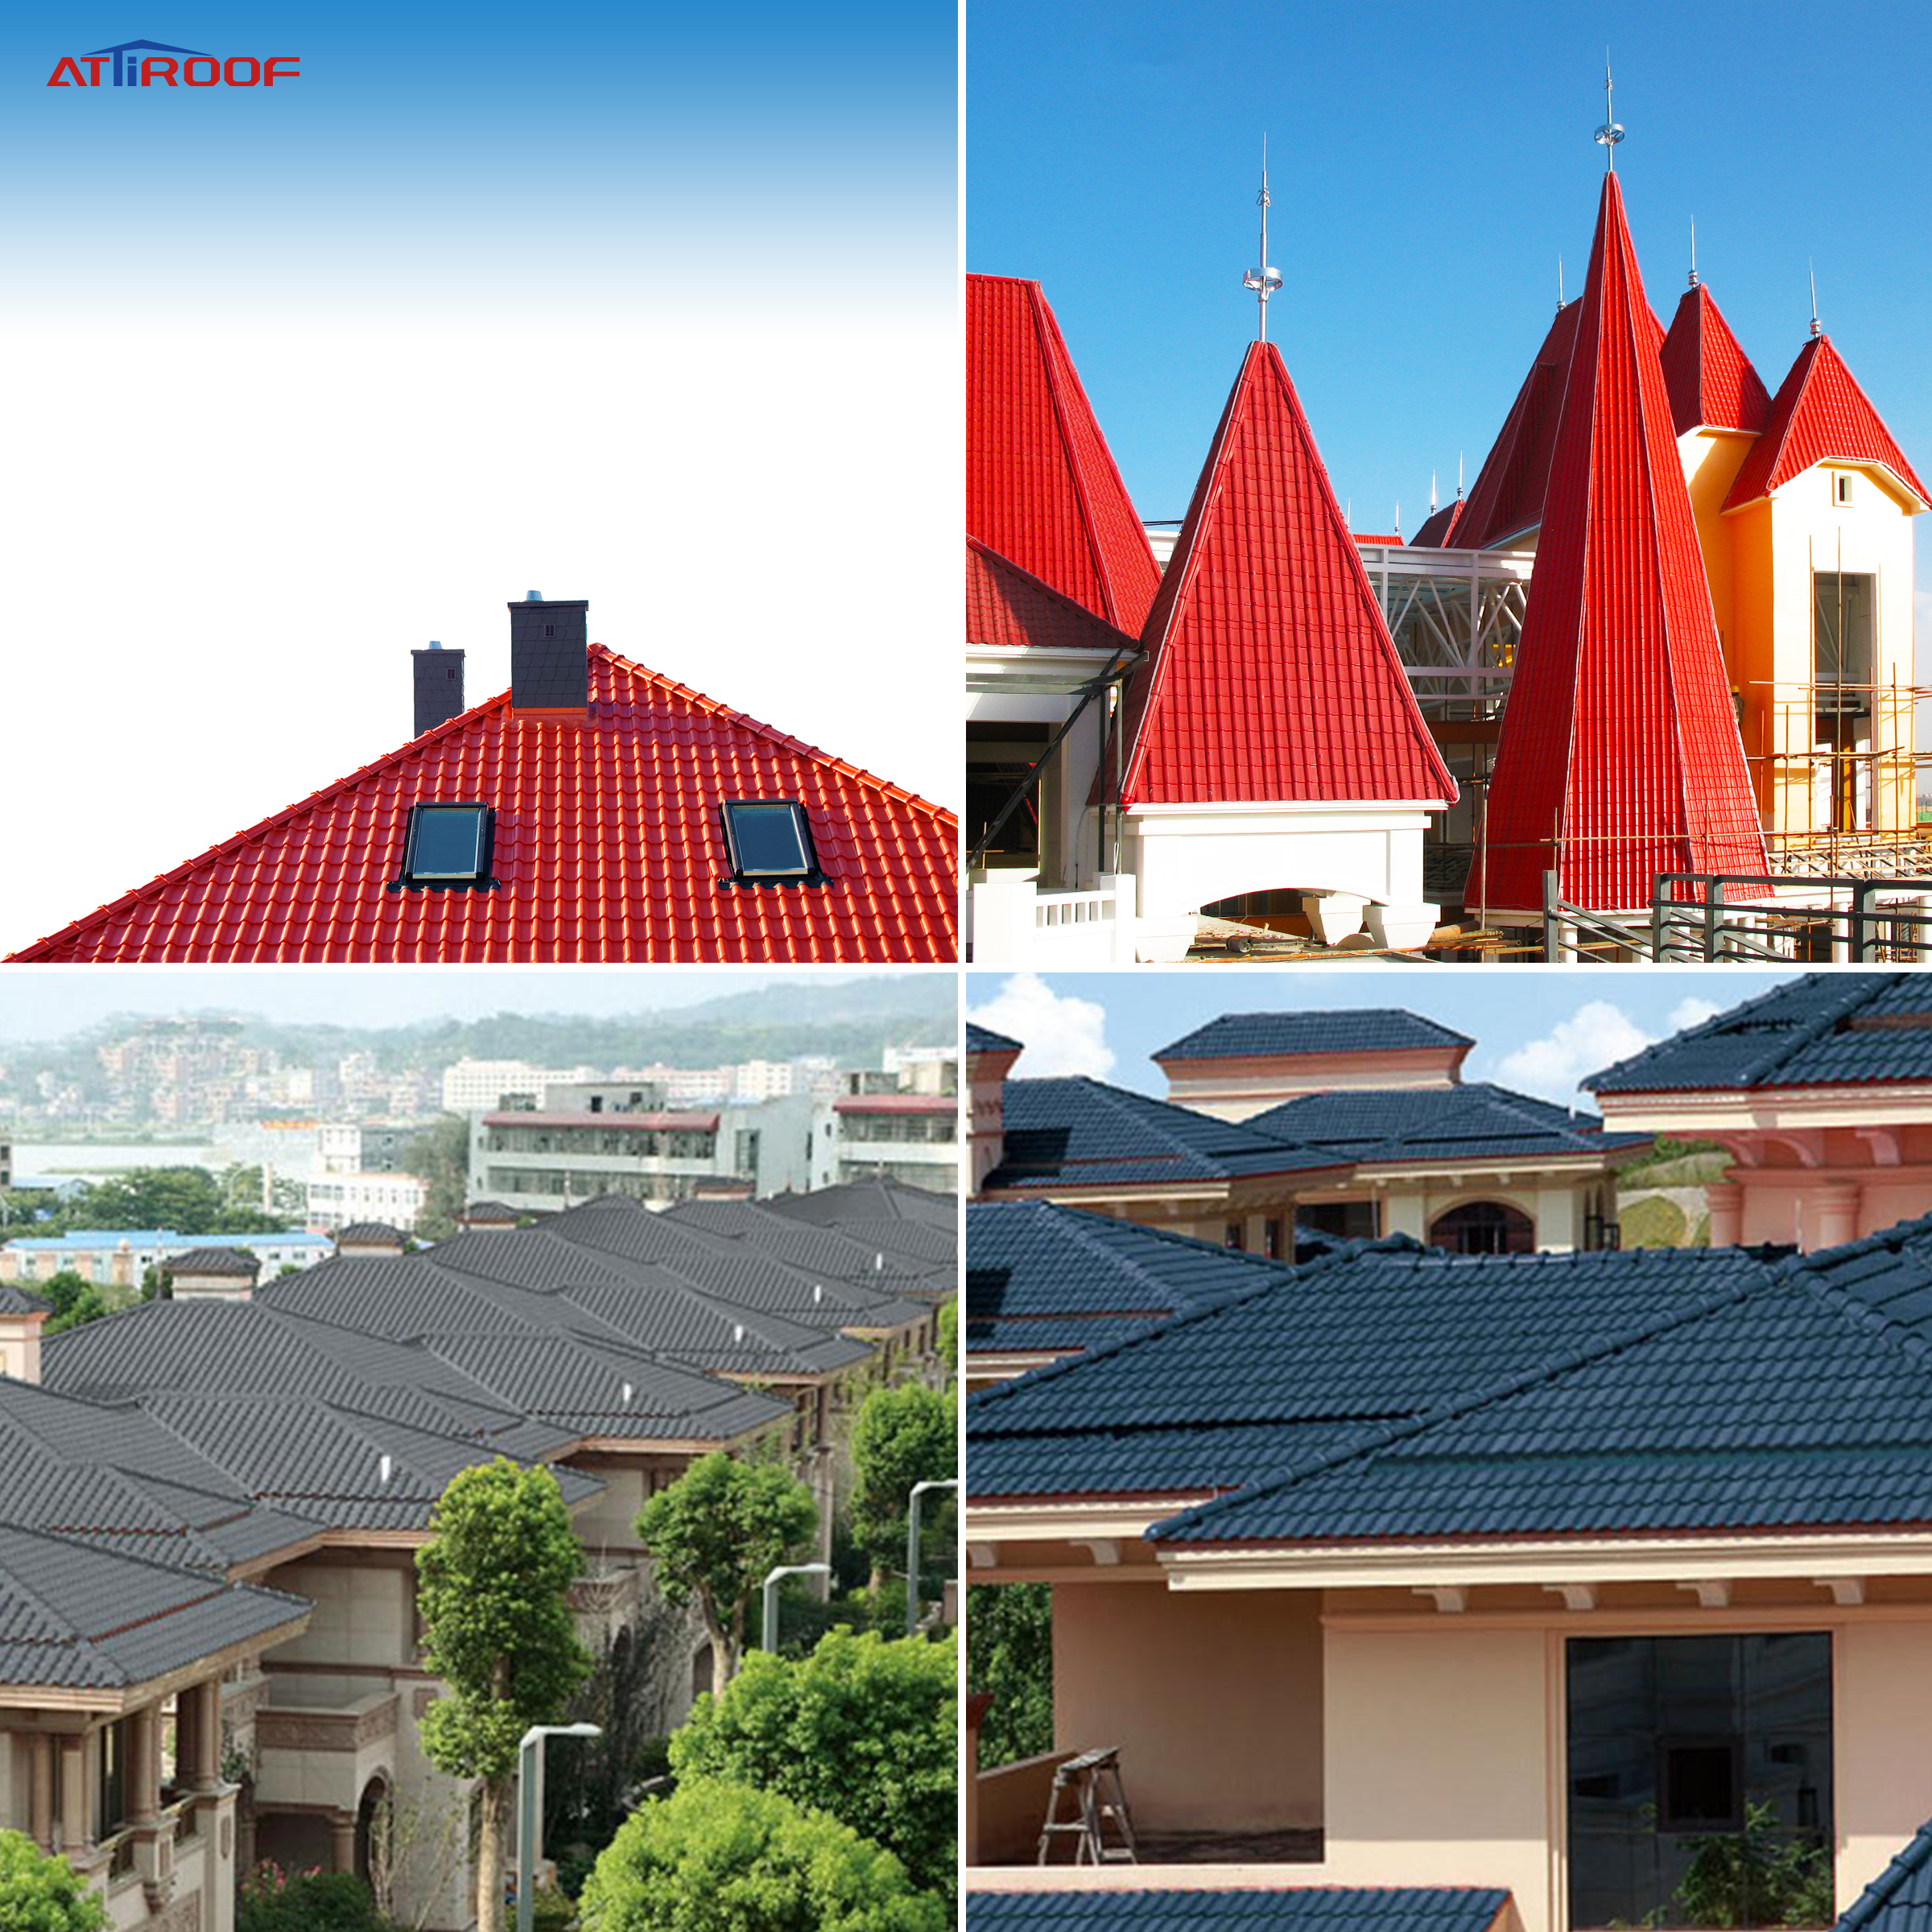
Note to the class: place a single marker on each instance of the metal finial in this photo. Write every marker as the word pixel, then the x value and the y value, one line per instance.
pixel 1348 514
pixel 1398 519
pixel 1693 251
pixel 1432 493
pixel 1264 280
pixel 1609 133
pixel 1458 475
pixel 1559 285
pixel 1813 272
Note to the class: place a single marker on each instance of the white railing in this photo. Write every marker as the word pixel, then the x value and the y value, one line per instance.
pixel 1013 923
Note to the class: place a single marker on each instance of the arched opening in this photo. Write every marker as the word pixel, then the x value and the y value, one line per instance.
pixel 373 1839
pixel 1484 1227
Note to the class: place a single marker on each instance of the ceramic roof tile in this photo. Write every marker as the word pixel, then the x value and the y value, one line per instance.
pixel 1476 1122
pixel 1348 1030
pixel 1438 527
pixel 1042 489
pixel 17 1301
pixel 1369 1338
pixel 1076 1132
pixel 983 1039
pixel 1507 499
pixel 608 847
pixel 1820 1029
pixel 1296 1909
pixel 1269 673
pixel 1819 414
pixel 1710 378
pixel 1620 757
pixel 1012 609
pixel 1899 1898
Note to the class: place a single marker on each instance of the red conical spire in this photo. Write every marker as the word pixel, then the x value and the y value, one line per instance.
pixel 1269 676
pixel 1710 378
pixel 1620 756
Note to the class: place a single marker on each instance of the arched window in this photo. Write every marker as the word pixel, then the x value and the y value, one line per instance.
pixel 1484 1227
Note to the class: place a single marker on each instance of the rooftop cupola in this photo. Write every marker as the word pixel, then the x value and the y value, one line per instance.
pixel 213 1275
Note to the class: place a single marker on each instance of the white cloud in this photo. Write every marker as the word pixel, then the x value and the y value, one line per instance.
pixel 1062 1034
pixel 1593 1036
pixel 1693 1011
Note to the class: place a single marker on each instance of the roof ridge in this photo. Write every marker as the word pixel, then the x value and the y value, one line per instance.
pixel 1494 1394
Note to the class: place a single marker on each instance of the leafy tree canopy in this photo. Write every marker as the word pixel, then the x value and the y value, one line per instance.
pixel 864 1728
pixel 903 1436
pixel 40 1893
pixel 718 1857
pixel 949 1333
pixel 1010 1658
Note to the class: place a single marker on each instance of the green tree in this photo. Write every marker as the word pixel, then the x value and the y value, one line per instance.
pixel 716 1534
pixel 441 1156
pixel 949 1334
pixel 87 1306
pixel 491 1585
pixel 270 1899
pixel 40 1893
pixel 1009 1658
pixel 717 1857
pixel 865 1729
pixel 903 1436
pixel 1763 1875
pixel 63 1290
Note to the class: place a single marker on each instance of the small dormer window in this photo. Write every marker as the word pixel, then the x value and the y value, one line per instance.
pixel 1841 488
pixel 448 847
pixel 769 841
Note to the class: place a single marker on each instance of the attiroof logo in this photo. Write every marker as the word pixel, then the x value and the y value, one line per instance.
pixel 155 64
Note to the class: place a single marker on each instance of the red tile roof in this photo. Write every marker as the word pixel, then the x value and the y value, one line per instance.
pixel 1619 756
pixel 1040 486
pixel 1270 675
pixel 1438 527
pixel 607 848
pixel 1507 501
pixel 1711 382
pixel 1820 415
pixel 1007 606
pixel 1377 536
pixel 897 1103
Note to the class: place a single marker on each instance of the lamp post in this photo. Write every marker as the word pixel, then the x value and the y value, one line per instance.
pixel 768 1629
pixel 912 1547
pixel 530 1808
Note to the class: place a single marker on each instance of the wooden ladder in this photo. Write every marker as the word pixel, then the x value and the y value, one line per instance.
pixel 1093 1780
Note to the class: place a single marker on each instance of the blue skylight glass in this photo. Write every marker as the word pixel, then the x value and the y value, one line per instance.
pixel 769 839
pixel 447 845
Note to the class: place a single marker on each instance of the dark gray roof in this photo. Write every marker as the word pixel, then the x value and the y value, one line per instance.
pixel 1080 1132
pixel 369 1231
pixel 983 1039
pixel 89 1619
pixel 1356 1030
pixel 1824 1028
pixel 17 1301
pixel 494 1210
pixel 836 1253
pixel 1250 1908
pixel 1477 1122
pixel 236 1261
pixel 866 1203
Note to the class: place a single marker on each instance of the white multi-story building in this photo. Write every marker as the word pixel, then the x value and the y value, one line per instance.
pixel 901 1123
pixel 339 1200
pixel 474 1086
pixel 116 1257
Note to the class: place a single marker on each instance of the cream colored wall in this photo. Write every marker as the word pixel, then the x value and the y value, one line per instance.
pixel 1882 1754
pixel 1711 460
pixel 1439 1745
pixel 1213 1699
pixel 1557 1211
pixel 609 1519
pixel 364 1614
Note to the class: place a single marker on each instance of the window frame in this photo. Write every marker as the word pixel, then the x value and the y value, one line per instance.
pixel 814 873
pixel 409 880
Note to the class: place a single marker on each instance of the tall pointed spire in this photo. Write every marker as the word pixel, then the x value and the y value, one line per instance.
pixel 1269 676
pixel 1620 757
pixel 1265 279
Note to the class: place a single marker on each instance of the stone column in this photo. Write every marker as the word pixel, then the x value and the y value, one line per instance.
pixel 342 1841
pixel 1725 1199
pixel 74 1833
pixel 203 1771
pixel 144 1766
pixel 40 1789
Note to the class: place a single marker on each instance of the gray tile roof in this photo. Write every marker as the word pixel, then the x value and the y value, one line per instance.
pixel 1824 1028
pixel 1899 1898
pixel 1357 1029
pixel 1080 1132
pixel 834 1253
pixel 983 1039
pixel 17 1301
pixel 1250 1908
pixel 1476 1122
pixel 863 1202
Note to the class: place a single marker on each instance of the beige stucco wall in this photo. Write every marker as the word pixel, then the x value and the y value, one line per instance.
pixel 1882 1754
pixel 1213 1699
pixel 1438 1755
pixel 1556 1209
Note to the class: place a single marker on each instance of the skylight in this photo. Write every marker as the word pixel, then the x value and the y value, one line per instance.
pixel 448 846
pixel 771 842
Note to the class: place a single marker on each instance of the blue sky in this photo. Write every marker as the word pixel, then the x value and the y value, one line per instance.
pixel 1428 165
pixel 1536 1032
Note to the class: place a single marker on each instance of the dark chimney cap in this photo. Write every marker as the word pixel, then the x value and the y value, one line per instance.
pixel 549 657
pixel 438 686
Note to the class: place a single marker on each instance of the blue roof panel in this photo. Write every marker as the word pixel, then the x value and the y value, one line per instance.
pixel 1476 1122
pixel 1304 1908
pixel 1356 1030
pixel 1899 1898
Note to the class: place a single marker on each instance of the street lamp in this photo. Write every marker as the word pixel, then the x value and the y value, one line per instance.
pixel 768 1631
pixel 912 1547
pixel 530 1808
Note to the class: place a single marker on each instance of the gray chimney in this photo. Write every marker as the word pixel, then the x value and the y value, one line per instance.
pixel 549 663
pixel 438 686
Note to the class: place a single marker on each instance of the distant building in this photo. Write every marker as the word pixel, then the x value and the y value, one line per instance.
pixel 116 1257
pixel 338 1200
pixel 472 1085
pixel 355 1148
pixel 901 1124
